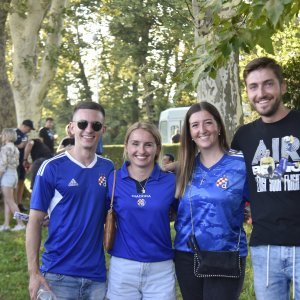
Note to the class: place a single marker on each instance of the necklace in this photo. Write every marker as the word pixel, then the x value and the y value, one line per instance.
pixel 143 187
pixel 203 176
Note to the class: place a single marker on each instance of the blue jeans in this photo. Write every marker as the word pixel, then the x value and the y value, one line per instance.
pixel 276 268
pixel 75 288
pixel 133 280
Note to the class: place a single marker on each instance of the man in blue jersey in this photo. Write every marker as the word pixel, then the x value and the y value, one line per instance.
pixel 71 187
pixel 22 139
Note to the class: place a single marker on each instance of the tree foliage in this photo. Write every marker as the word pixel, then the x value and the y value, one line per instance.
pixel 237 25
pixel 138 53
pixel 141 59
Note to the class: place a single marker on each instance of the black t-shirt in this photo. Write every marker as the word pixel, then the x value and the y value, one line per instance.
pixel 21 137
pixel 40 150
pixel 68 141
pixel 275 200
pixel 48 137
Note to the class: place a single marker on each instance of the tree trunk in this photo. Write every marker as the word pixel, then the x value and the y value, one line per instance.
pixel 7 111
pixel 34 67
pixel 224 90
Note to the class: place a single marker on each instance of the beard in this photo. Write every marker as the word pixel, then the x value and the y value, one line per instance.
pixel 270 111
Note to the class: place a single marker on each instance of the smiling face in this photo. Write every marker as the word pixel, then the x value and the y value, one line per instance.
pixel 204 130
pixel 265 92
pixel 86 138
pixel 141 149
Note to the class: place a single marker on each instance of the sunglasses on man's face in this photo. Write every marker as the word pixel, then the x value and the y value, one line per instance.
pixel 83 124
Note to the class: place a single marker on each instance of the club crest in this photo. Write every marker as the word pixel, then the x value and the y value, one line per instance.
pixel 102 180
pixel 141 202
pixel 222 182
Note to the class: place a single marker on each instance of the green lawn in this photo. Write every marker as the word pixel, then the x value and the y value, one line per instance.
pixel 13 267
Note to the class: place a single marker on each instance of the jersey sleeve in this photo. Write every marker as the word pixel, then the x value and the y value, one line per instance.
pixel 44 188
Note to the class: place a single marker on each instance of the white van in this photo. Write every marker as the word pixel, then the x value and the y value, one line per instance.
pixel 170 120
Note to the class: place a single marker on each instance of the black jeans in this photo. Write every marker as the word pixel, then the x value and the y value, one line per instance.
pixel 194 288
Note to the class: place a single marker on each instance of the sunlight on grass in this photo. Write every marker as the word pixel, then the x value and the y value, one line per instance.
pixel 13 267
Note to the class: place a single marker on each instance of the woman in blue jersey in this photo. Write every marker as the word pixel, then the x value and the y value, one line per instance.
pixel 141 265
pixel 211 181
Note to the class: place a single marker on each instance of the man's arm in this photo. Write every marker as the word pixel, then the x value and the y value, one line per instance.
pixel 33 243
pixel 22 145
pixel 27 152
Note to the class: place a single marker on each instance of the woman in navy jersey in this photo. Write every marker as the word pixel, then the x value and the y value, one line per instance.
pixel 141 265
pixel 210 186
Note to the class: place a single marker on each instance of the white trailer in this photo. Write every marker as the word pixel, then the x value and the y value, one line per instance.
pixel 170 120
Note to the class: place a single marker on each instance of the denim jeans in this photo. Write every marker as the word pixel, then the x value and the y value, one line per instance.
pixel 133 280
pixel 276 270
pixel 75 288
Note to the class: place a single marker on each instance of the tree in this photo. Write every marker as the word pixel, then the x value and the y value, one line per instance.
pixel 141 60
pixel 35 28
pixel 223 90
pixel 7 111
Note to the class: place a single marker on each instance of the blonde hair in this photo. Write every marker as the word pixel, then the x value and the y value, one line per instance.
pixel 9 135
pixel 149 127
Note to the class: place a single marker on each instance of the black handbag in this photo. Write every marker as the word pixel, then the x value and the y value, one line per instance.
pixel 214 263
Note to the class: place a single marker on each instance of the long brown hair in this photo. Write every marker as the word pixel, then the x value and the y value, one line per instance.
pixel 188 148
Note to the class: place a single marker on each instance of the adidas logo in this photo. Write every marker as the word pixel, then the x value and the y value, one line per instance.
pixel 73 182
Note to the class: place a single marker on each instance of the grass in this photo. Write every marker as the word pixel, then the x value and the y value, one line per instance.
pixel 13 266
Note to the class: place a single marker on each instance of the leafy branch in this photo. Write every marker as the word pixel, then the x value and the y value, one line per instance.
pixel 235 25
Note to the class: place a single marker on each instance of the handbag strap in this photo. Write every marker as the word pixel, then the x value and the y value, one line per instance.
pixel 113 190
pixel 191 212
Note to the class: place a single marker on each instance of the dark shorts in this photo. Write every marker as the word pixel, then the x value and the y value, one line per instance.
pixel 34 169
pixel 21 172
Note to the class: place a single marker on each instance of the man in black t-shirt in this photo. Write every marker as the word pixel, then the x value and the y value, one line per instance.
pixel 275 193
pixel 39 152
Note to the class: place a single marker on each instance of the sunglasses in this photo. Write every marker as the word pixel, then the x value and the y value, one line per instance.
pixel 83 124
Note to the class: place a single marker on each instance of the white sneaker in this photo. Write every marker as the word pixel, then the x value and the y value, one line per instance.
pixel 18 227
pixel 4 228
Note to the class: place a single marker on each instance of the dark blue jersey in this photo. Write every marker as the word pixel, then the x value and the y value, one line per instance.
pixel 143 224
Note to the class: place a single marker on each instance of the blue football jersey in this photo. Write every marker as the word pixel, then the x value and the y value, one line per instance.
pixel 217 197
pixel 75 197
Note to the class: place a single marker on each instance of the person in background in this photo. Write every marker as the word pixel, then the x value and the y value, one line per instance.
pixel 210 185
pixel 142 250
pixel 67 142
pixel 176 136
pixel 274 195
pixel 99 149
pixel 72 188
pixel 47 134
pixel 167 159
pixel 9 160
pixel 22 139
pixel 39 152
